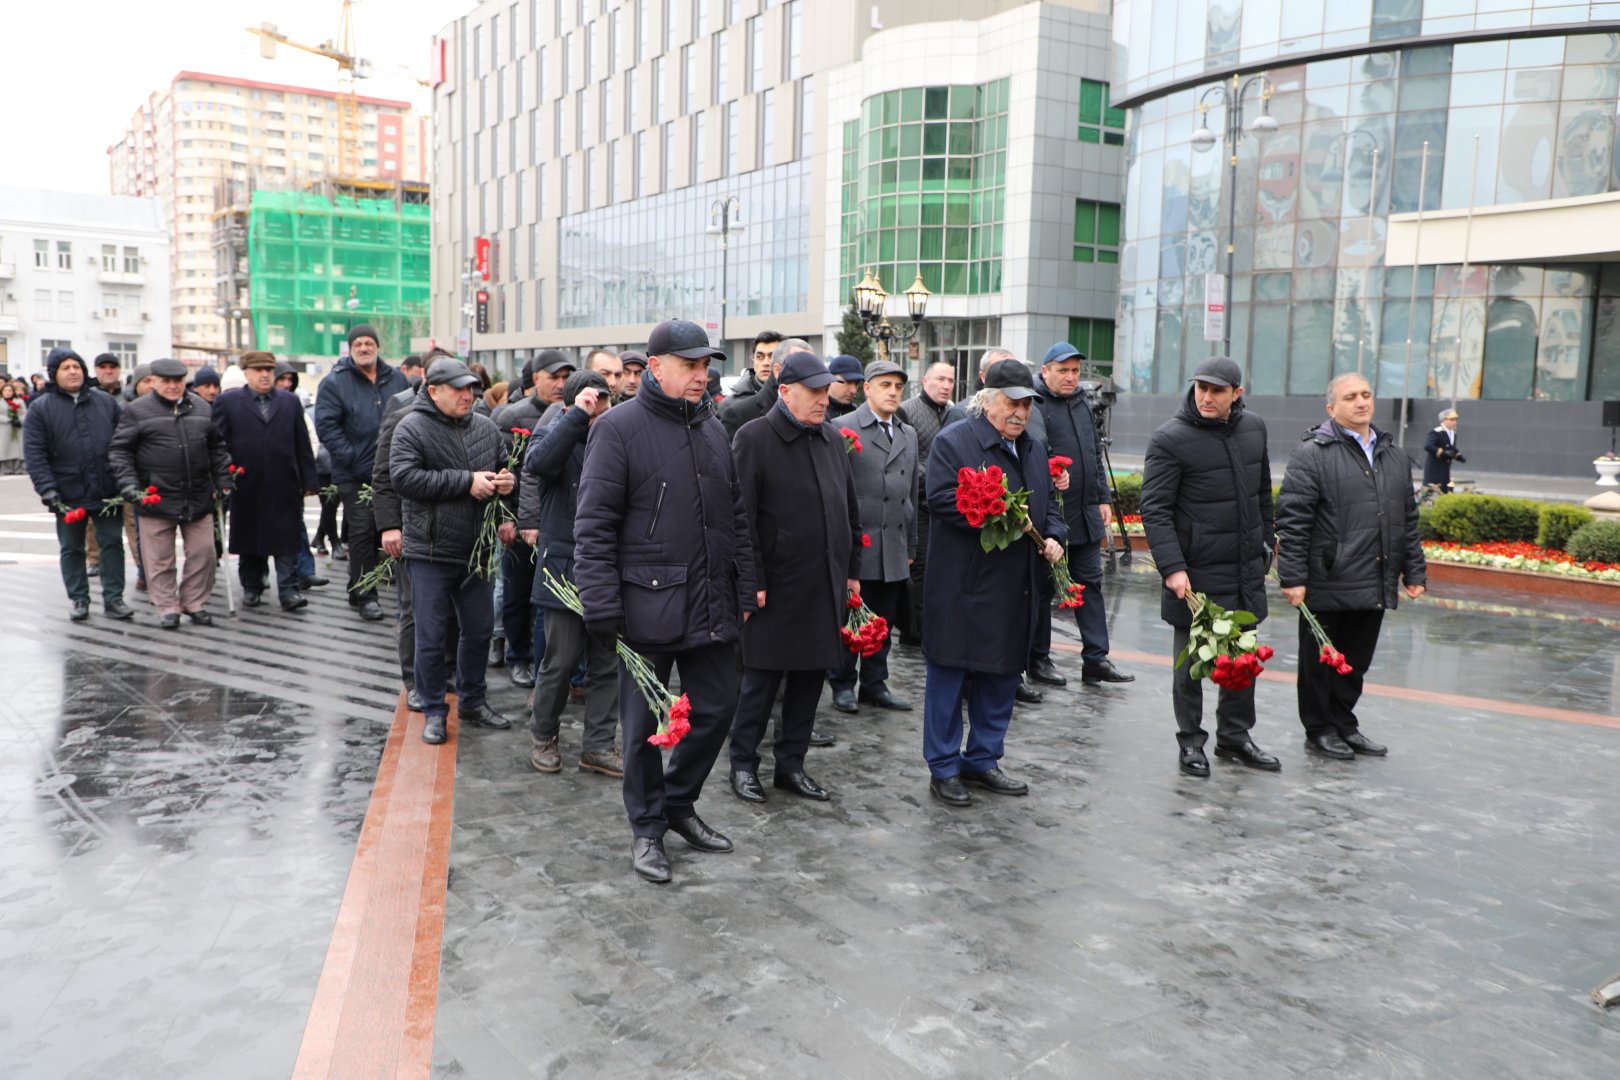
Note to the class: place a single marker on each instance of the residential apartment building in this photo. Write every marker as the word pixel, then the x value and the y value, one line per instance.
pixel 198 143
pixel 85 272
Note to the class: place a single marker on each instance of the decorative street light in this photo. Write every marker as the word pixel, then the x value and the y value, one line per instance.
pixel 870 298
pixel 725 221
pixel 1204 139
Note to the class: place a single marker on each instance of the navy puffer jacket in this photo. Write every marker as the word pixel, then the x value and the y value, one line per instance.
pixel 348 412
pixel 65 440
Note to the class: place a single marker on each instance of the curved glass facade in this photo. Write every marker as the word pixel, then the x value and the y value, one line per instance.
pixel 924 176
pixel 1310 294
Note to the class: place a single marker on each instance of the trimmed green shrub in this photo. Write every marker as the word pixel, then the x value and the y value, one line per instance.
pixel 1559 521
pixel 1426 524
pixel 1129 487
pixel 1598 541
pixel 1479 519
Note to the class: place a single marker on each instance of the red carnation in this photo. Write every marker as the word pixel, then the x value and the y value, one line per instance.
pixel 866 541
pixel 1057 463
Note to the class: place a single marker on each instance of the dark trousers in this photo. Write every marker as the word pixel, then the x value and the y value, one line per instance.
pixel 108 531
pixel 327 529
pixel 1085 566
pixel 517 613
pixel 989 699
pixel 306 561
pixel 1234 709
pixel 250 571
pixel 755 698
pixel 919 567
pixel 363 551
pixel 405 626
pixel 654 793
pixel 1327 700
pixel 436 590
pixel 566 641
pixel 885 598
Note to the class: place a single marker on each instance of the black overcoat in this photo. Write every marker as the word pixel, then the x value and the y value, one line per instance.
pixel 799 490
pixel 982 605
pixel 1439 451
pixel 267 505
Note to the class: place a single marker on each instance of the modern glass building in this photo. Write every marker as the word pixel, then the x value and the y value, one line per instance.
pixel 1474 139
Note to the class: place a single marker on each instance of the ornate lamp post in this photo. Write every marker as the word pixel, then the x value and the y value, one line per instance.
pixel 870 298
pixel 725 221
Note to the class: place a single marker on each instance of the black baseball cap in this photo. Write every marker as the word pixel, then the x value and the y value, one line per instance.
pixel 447 372
pixel 581 381
pixel 552 361
pixel 1012 378
pixel 847 368
pixel 1218 371
pixel 681 337
pixel 806 369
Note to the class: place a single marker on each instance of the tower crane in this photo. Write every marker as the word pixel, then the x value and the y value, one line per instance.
pixel 350 68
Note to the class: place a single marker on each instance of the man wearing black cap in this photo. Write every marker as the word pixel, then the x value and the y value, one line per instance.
pixel 635 365
pixel 264 431
pixel 446 463
pixel 1206 506
pixel 982 605
pixel 348 411
pixel 65 439
pixel 663 557
pixel 886 482
pixel 848 377
pixel 167 439
pixel 799 490
pixel 205 383
pixel 109 374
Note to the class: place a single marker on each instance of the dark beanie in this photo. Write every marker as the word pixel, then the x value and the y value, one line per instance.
pixel 364 330
pixel 54 358
pixel 205 376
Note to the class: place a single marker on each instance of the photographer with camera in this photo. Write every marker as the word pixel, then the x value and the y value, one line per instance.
pixel 1064 423
pixel 1439 451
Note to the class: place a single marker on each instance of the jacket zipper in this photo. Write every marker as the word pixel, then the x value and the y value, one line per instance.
pixel 658 507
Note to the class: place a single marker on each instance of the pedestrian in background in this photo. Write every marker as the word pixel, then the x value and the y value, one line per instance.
pixel 1440 450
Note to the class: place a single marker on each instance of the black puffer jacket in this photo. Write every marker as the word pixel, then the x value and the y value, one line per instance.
pixel 385 508
pixel 661 536
pixel 65 439
pixel 1206 505
pixel 751 400
pixel 430 465
pixel 175 446
pixel 554 463
pixel 1347 531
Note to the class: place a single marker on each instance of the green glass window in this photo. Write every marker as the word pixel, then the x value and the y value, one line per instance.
pixel 1099 122
pixel 1094 338
pixel 1096 232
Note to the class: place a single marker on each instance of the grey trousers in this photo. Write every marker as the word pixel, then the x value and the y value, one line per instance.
pixel 1234 711
pixel 566 640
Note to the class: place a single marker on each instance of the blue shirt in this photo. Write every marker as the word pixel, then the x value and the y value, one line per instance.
pixel 1365 444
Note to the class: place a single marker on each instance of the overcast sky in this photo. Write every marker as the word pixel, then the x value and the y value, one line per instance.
pixel 72 72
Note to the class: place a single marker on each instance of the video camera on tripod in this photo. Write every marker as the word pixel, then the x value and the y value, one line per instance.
pixel 1097 389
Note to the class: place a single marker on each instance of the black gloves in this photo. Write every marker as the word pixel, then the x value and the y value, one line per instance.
pixel 1458 457
pixel 131 494
pixel 50 499
pixel 613 627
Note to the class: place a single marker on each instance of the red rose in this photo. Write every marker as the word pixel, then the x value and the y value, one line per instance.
pixel 974 518
pixel 998 507
pixel 994 473
pixel 1265 652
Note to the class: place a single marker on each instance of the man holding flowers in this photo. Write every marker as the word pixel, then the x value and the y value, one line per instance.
pixel 1206 507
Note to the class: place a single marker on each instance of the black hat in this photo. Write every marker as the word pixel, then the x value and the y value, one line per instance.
pixel 363 330
pixel 884 367
pixel 1218 371
pixel 631 356
pixel 847 368
pixel 169 369
pixel 447 372
pixel 103 358
pixel 205 376
pixel 583 380
pixel 681 337
pixel 1012 378
pixel 806 369
pixel 552 361
pixel 526 375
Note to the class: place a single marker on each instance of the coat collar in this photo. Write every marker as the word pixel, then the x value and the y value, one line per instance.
pixel 789 430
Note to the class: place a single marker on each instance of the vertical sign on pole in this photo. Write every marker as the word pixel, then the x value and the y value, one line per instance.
pixel 1214 307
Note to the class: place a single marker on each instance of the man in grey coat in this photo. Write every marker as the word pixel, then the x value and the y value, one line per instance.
pixel 886 485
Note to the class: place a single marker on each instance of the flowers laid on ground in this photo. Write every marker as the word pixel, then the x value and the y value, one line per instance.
pixel 852 440
pixel 864 632
pixel 673 712
pixel 1222 645
pixel 1002 516
pixel 1519 555
pixel 486 554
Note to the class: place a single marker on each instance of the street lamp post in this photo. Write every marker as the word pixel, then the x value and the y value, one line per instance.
pixel 469 277
pixel 870 298
pixel 725 221
pixel 1203 139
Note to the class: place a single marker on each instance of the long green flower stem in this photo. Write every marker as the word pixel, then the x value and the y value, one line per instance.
pixel 652 690
pixel 1317 632
pixel 378 576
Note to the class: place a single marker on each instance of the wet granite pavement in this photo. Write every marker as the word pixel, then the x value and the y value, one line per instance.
pixel 179 812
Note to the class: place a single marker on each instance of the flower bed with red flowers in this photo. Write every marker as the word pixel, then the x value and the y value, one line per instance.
pixel 1519 555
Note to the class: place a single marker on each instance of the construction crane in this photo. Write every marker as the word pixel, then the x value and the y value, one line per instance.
pixel 350 68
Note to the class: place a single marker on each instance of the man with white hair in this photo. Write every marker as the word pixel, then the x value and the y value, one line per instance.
pixel 1440 450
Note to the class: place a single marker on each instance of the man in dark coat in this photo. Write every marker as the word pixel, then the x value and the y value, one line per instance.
pixel 799 491
pixel 348 412
pixel 929 411
pixel 446 463
pixel 886 483
pixel 65 439
pixel 167 439
pixel 1206 505
pixel 1440 450
pixel 109 375
pixel 389 516
pixel 554 464
pixel 850 377
pixel 264 431
pixel 634 364
pixel 1347 535
pixel 983 604
pixel 663 558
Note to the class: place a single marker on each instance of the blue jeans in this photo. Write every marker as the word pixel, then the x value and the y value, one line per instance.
pixel 252 568
pixel 306 561
pixel 990 705
pixel 436 590
pixel 1085 565
pixel 110 537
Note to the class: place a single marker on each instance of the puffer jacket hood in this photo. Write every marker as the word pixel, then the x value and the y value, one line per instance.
pixel 284 368
pixel 54 358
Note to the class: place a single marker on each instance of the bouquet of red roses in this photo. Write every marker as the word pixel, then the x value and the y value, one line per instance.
pixel 863 631
pixel 1222 645
pixel 14 412
pixel 1002 516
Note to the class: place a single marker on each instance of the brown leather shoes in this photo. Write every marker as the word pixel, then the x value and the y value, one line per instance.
pixel 608 762
pixel 544 755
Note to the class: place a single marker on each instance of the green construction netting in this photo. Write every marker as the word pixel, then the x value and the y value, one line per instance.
pixel 308 257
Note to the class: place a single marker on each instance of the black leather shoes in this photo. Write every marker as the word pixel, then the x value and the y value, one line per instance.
pixel 293 601
pixel 949 791
pixel 884 698
pixel 1328 744
pixel 485 717
pixel 800 784
pixel 200 618
pixel 823 738
pixel 413 700
pixel 994 780
pixel 497 652
pixel 117 609
pixel 1193 761
pixel 745 785
pixel 314 581
pixel 1359 743
pixel 80 611
pixel 521 675
pixel 371 611
pixel 433 731
pixel 1027 694
pixel 1249 754
pixel 170 621
pixel 1103 671
pixel 647 858
pixel 1042 670
pixel 844 701
pixel 252 599
pixel 694 832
